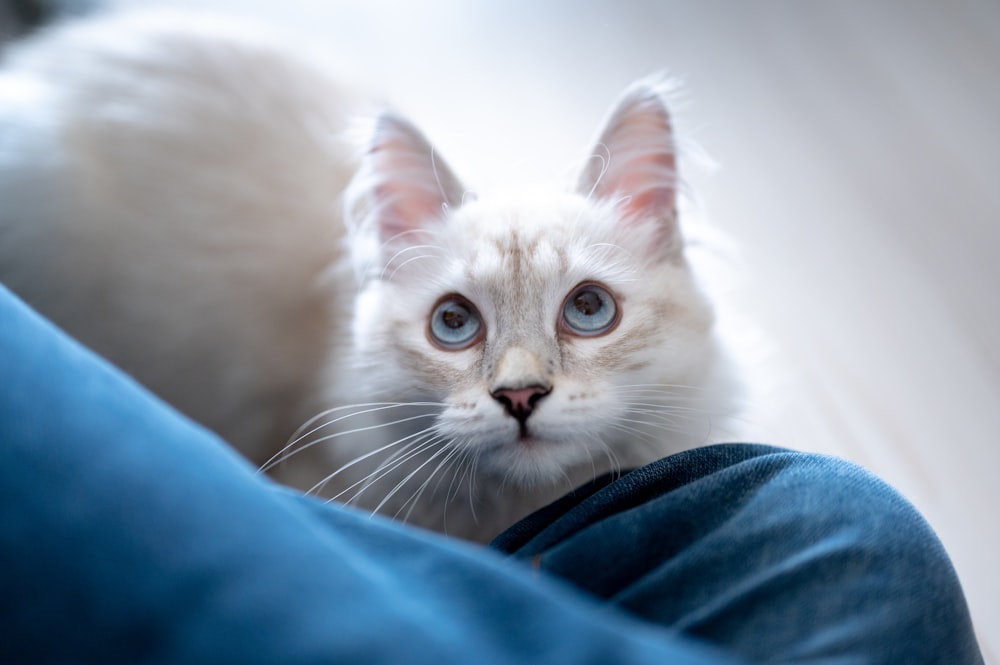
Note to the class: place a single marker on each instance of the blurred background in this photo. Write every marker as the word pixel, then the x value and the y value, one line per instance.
pixel 856 173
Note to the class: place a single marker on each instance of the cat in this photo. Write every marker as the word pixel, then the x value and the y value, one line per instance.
pixel 184 196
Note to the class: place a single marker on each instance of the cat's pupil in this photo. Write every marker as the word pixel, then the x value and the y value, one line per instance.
pixel 587 303
pixel 455 318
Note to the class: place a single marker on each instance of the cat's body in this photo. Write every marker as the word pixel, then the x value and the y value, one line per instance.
pixel 171 197
pixel 177 198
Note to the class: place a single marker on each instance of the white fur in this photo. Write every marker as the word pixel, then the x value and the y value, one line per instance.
pixel 172 196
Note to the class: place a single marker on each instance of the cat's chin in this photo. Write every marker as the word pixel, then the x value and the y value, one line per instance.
pixel 531 461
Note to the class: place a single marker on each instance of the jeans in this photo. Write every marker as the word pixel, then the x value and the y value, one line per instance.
pixel 779 556
pixel 128 534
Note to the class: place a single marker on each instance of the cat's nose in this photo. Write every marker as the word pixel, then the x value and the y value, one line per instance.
pixel 520 402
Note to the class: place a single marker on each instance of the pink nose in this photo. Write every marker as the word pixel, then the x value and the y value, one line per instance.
pixel 520 402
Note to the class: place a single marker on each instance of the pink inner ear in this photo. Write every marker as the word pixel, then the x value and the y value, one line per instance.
pixel 648 189
pixel 410 185
pixel 404 210
pixel 641 168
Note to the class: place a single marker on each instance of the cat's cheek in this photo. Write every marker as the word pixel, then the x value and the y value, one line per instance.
pixel 452 377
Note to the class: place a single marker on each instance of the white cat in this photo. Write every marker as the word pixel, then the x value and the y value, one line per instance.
pixel 175 194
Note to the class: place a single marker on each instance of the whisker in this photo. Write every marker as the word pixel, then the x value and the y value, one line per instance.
pixel 472 485
pixel 357 460
pixel 394 456
pixel 660 399
pixel 449 460
pixel 395 461
pixel 464 461
pixel 621 427
pixel 415 448
pixel 335 435
pixel 402 456
pixel 672 408
pixel 459 457
pixel 372 407
pixel 666 427
pixel 407 479
pixel 369 407
pixel 453 489
pixel 663 417
pixel 614 464
pixel 662 386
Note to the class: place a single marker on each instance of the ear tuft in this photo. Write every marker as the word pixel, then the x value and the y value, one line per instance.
pixel 634 163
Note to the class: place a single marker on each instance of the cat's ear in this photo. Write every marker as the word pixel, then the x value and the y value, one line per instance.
pixel 634 164
pixel 402 185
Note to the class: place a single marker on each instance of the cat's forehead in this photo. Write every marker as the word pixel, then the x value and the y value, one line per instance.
pixel 519 240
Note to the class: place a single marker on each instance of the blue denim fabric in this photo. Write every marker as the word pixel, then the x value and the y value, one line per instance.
pixel 777 556
pixel 130 535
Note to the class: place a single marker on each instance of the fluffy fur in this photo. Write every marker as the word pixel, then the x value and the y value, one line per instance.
pixel 180 197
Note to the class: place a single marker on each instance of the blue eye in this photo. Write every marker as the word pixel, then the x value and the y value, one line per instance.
pixel 590 310
pixel 455 324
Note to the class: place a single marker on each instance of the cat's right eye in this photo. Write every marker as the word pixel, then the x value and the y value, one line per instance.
pixel 455 324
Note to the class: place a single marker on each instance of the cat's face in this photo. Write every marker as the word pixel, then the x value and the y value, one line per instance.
pixel 542 330
pixel 553 334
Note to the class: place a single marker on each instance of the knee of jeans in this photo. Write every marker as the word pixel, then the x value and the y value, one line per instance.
pixel 868 549
pixel 828 495
pixel 849 515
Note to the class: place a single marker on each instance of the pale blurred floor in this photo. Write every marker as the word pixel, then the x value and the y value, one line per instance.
pixel 860 162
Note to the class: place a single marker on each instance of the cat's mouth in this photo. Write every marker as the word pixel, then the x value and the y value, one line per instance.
pixel 527 435
pixel 524 436
pixel 526 439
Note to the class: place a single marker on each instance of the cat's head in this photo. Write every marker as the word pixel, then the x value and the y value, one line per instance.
pixel 556 333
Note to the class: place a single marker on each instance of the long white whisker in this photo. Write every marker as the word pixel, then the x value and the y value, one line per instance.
pixel 459 457
pixel 664 417
pixel 614 465
pixel 415 448
pixel 621 427
pixel 357 460
pixel 393 461
pixel 666 427
pixel 370 407
pixel 284 454
pixel 448 460
pixel 472 485
pixel 407 479
pixel 665 406
pixel 669 388
pixel 388 466
pixel 458 477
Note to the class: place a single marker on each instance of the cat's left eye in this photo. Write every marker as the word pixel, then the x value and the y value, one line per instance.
pixel 590 310
pixel 455 324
